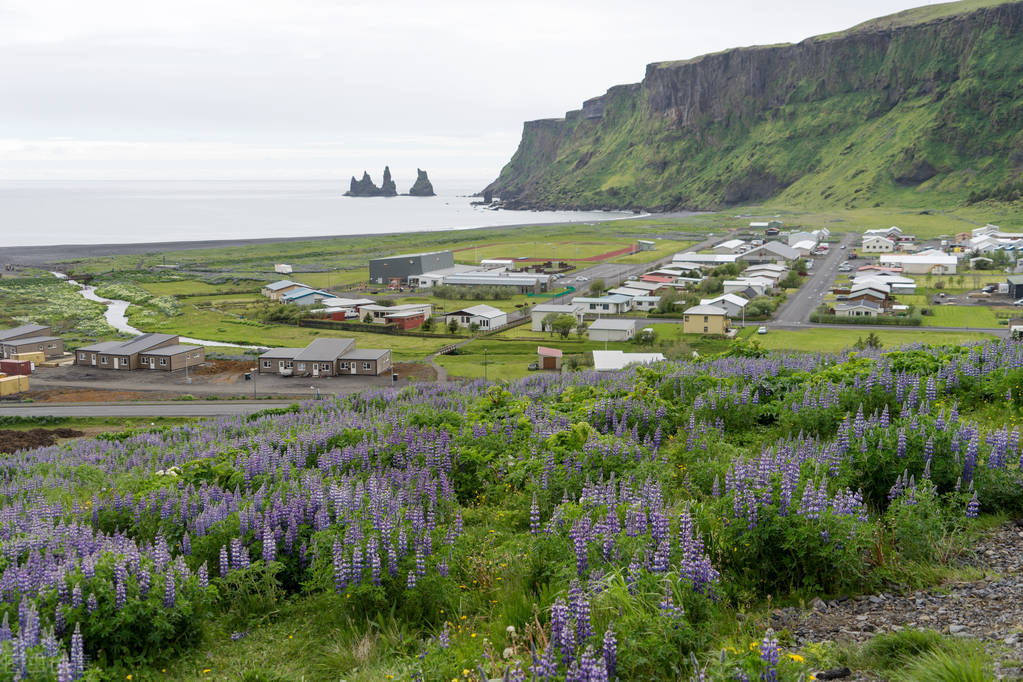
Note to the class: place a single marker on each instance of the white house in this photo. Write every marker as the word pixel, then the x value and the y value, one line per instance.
pixel 282 268
pixel 763 270
pixel 804 247
pixel 613 360
pixel 497 263
pixel 771 252
pixel 875 243
pixel 794 238
pixel 758 284
pixel 539 312
pixel 922 263
pixel 627 291
pixel 645 303
pixel 730 246
pixel 380 313
pixel 892 232
pixel 733 303
pixel 612 330
pixel 486 316
pixel 613 304
pixel 858 309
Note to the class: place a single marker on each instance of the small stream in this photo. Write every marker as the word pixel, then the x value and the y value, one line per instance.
pixel 116 315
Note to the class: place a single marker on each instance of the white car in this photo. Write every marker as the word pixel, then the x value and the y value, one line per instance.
pixel 761 330
pixel 581 279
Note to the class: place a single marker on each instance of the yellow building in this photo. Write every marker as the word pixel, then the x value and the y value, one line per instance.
pixel 705 319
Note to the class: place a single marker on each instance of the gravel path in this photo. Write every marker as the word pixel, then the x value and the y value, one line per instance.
pixel 989 609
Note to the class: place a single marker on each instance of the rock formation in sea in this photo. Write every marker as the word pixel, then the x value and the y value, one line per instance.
pixel 422 187
pixel 366 187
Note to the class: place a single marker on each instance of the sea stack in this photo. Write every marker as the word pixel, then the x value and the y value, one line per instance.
pixel 422 187
pixel 366 188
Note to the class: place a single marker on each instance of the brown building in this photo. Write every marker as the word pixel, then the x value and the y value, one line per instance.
pixel 25 331
pixel 122 355
pixel 51 346
pixel 325 357
pixel 172 358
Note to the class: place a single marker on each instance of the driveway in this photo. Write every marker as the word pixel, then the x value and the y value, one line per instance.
pixel 796 310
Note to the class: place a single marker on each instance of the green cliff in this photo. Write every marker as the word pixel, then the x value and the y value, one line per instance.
pixel 922 108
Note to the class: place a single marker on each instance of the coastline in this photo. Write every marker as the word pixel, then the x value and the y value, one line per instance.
pixel 54 254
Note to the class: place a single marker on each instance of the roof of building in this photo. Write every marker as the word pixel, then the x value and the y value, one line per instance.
pixel 22 330
pixel 336 302
pixel 646 299
pixel 145 342
pixel 611 360
pixel 806 244
pixel 405 314
pixel 734 299
pixel 567 308
pixel 683 265
pixel 1014 279
pixel 404 307
pixel 305 291
pixel 496 279
pixel 30 339
pixel 773 267
pixel 659 279
pixel 730 244
pixel 411 255
pixel 548 352
pixel 858 304
pixel 101 347
pixel 628 291
pixel 326 349
pixel 456 269
pixel 281 284
pixel 775 248
pixel 877 237
pixel 365 354
pixel 706 310
pixel 172 350
pixel 482 310
pixel 613 298
pixel 613 325
pixel 923 258
pixel 693 257
pixel 281 353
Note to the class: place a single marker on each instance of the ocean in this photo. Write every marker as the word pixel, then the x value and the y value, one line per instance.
pixel 117 212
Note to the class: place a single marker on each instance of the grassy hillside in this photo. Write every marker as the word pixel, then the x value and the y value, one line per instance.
pixel 920 109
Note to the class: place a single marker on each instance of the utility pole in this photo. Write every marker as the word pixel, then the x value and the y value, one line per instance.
pixel 484 364
pixel 255 371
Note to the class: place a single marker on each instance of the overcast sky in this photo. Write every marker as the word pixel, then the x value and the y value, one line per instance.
pixel 317 88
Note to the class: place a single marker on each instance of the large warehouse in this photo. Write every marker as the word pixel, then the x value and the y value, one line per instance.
pixel 401 267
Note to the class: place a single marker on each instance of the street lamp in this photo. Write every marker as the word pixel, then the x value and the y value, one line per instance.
pixel 315 388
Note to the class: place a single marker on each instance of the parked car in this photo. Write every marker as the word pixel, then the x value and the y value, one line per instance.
pixel 843 246
pixel 1018 302
pixel 990 288
pixel 761 330
pixel 581 279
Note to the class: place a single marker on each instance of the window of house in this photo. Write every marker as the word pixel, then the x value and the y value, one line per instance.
pixel 366 365
pixel 266 364
pixel 53 345
pixel 687 318
pixel 301 366
pixel 705 329
pixel 288 363
pixel 163 362
pixel 195 354
pixel 705 318
pixel 103 361
pixel 344 365
pixel 41 347
pixel 81 356
pixel 325 366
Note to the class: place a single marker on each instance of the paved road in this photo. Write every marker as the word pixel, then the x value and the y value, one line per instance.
pixel 796 310
pixel 225 408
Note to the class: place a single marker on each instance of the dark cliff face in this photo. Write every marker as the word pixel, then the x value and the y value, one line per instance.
pixel 752 123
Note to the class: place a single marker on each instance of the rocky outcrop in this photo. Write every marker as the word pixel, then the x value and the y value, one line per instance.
pixel 906 109
pixel 422 187
pixel 366 188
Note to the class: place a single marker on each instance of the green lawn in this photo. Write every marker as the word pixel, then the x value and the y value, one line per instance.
pixel 842 337
pixel 961 316
pixel 192 286
pixel 663 249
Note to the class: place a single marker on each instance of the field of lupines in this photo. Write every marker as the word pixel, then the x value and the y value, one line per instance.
pixel 581 526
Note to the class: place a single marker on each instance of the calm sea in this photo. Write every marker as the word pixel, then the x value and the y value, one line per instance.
pixel 63 212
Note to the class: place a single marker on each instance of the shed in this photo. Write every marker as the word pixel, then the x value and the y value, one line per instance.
pixel 612 330
pixel 1015 286
pixel 548 358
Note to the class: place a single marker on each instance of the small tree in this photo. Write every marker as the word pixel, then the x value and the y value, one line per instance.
pixel 668 300
pixel 791 280
pixel 563 325
pixel 580 329
pixel 453 326
pixel 646 337
pixel 368 318
pixel 547 323
pixel 597 287
pixel 474 327
pixel 427 325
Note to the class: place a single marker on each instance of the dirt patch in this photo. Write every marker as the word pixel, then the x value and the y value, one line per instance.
pixel 213 367
pixel 84 395
pixel 415 370
pixel 12 440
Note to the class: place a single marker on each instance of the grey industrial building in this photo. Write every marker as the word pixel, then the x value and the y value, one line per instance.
pixel 403 266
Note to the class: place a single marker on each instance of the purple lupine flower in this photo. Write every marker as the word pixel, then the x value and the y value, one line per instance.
pixel 769 655
pixel 610 651
pixel 269 544
pixel 579 604
pixel 534 517
pixel 5 629
pixel 204 576
pixel 77 651
pixel 19 658
pixel 591 667
pixel 225 566
pixel 973 507
pixel 340 569
pixel 91 604
pixel 444 637
pixel 64 669
pixel 169 592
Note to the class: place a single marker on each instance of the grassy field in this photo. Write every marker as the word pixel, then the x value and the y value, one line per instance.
pixel 962 316
pixel 834 340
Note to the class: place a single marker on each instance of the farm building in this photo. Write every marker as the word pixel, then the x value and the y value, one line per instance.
pixel 730 246
pixel 304 296
pixel 612 330
pixel 124 355
pixel 485 316
pixel 521 283
pixel 50 346
pixel 705 319
pixel 771 252
pixel 325 357
pixel 380 313
pixel 703 259
pixel 403 266
pixel 172 358
pixel 275 290
pixel 539 312
pixel 283 269
pixel 1015 286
